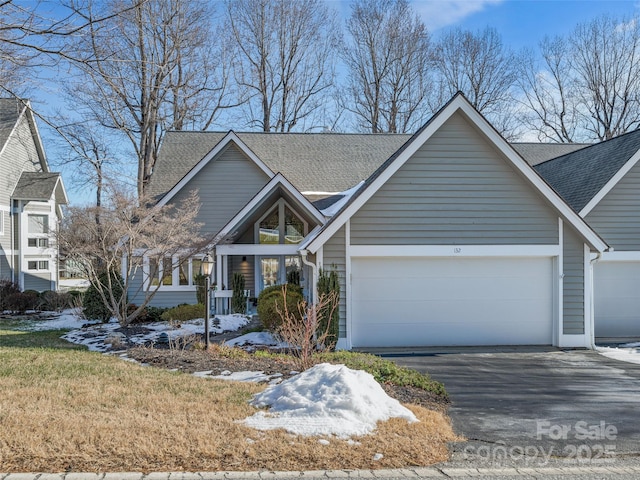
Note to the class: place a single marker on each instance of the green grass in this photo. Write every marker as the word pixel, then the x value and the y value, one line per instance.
pixel 44 339
pixel 384 371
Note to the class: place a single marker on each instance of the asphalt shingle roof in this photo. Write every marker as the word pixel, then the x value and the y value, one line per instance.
pixel 36 186
pixel 535 153
pixel 312 162
pixel 10 109
pixel 580 175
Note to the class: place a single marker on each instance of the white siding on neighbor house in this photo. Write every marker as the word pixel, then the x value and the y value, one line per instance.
pixel 456 189
pixel 334 254
pixel 617 217
pixel 573 283
pixel 37 281
pixel 224 185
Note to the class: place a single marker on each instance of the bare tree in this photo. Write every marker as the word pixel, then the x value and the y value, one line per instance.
pixel 130 231
pixel 152 66
pixel 549 93
pixel 388 58
pixel 285 51
pixel 594 92
pixel 480 66
pixel 91 154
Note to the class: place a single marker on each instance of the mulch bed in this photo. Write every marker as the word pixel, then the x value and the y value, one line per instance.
pixel 191 361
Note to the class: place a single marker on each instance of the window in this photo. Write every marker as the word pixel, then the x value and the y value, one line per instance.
pixel 38 224
pixel 269 229
pixel 172 272
pixel 280 225
pixel 38 265
pixel 38 242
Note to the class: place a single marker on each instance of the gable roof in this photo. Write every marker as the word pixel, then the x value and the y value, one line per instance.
pixel 40 186
pixel 277 182
pixel 324 163
pixel 583 177
pixel 229 138
pixel 536 153
pixel 11 111
pixel 458 103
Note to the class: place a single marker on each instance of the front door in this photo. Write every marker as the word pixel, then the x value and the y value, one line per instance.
pixel 274 270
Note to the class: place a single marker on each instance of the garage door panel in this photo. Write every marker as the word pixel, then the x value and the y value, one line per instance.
pixel 470 301
pixel 617 299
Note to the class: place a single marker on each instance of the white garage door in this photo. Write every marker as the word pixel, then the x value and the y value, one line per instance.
pixel 444 301
pixel 617 299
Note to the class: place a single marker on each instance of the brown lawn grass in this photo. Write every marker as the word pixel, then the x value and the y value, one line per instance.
pixel 70 410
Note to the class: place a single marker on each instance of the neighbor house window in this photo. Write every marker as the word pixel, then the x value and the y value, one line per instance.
pixel 38 228
pixel 38 224
pixel 38 265
pixel 38 242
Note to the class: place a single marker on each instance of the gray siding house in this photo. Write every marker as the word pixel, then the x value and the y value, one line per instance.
pixel 445 237
pixel 602 183
pixel 30 201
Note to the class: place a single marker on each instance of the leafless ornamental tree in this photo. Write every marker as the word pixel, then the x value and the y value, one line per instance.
pixel 129 232
pixel 388 59
pixel 285 54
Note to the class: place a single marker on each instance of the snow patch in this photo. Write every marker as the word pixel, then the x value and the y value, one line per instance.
pixel 331 210
pixel 627 352
pixel 256 338
pixel 326 400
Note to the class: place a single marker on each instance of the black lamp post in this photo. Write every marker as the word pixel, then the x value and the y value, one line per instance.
pixel 206 266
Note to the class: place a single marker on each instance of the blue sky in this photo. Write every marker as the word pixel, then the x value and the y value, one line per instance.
pixel 521 23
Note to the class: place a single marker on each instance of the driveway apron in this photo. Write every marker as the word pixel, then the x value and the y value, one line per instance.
pixel 536 407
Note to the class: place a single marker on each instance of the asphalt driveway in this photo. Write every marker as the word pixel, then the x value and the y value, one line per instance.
pixel 535 407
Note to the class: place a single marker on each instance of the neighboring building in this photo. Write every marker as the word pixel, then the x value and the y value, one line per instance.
pixel 602 183
pixel 446 237
pixel 30 201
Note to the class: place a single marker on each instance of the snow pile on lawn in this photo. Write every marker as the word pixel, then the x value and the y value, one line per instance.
pixel 96 336
pixel 255 338
pixel 66 320
pixel 626 352
pixel 326 400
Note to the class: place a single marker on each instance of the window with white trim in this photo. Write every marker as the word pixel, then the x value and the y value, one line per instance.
pixel 38 230
pixel 172 273
pixel 38 265
pixel 280 225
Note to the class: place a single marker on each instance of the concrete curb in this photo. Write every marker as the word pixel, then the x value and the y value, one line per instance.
pixel 426 472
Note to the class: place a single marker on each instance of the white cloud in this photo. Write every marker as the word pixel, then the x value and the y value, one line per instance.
pixel 442 13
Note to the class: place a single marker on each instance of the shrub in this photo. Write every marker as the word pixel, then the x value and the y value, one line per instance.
pixel 329 314
pixel 238 300
pixel 272 300
pixel 22 301
pixel 7 288
pixel 55 301
pixel 183 312
pixel 153 314
pixel 93 306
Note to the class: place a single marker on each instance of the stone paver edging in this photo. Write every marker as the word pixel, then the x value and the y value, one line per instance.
pixel 426 472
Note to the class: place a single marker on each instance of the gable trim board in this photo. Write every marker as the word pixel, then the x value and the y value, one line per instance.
pixel 277 179
pixel 222 144
pixel 391 166
pixel 613 181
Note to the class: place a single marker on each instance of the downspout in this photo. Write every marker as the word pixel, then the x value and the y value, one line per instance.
pixel 314 274
pixel 592 262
